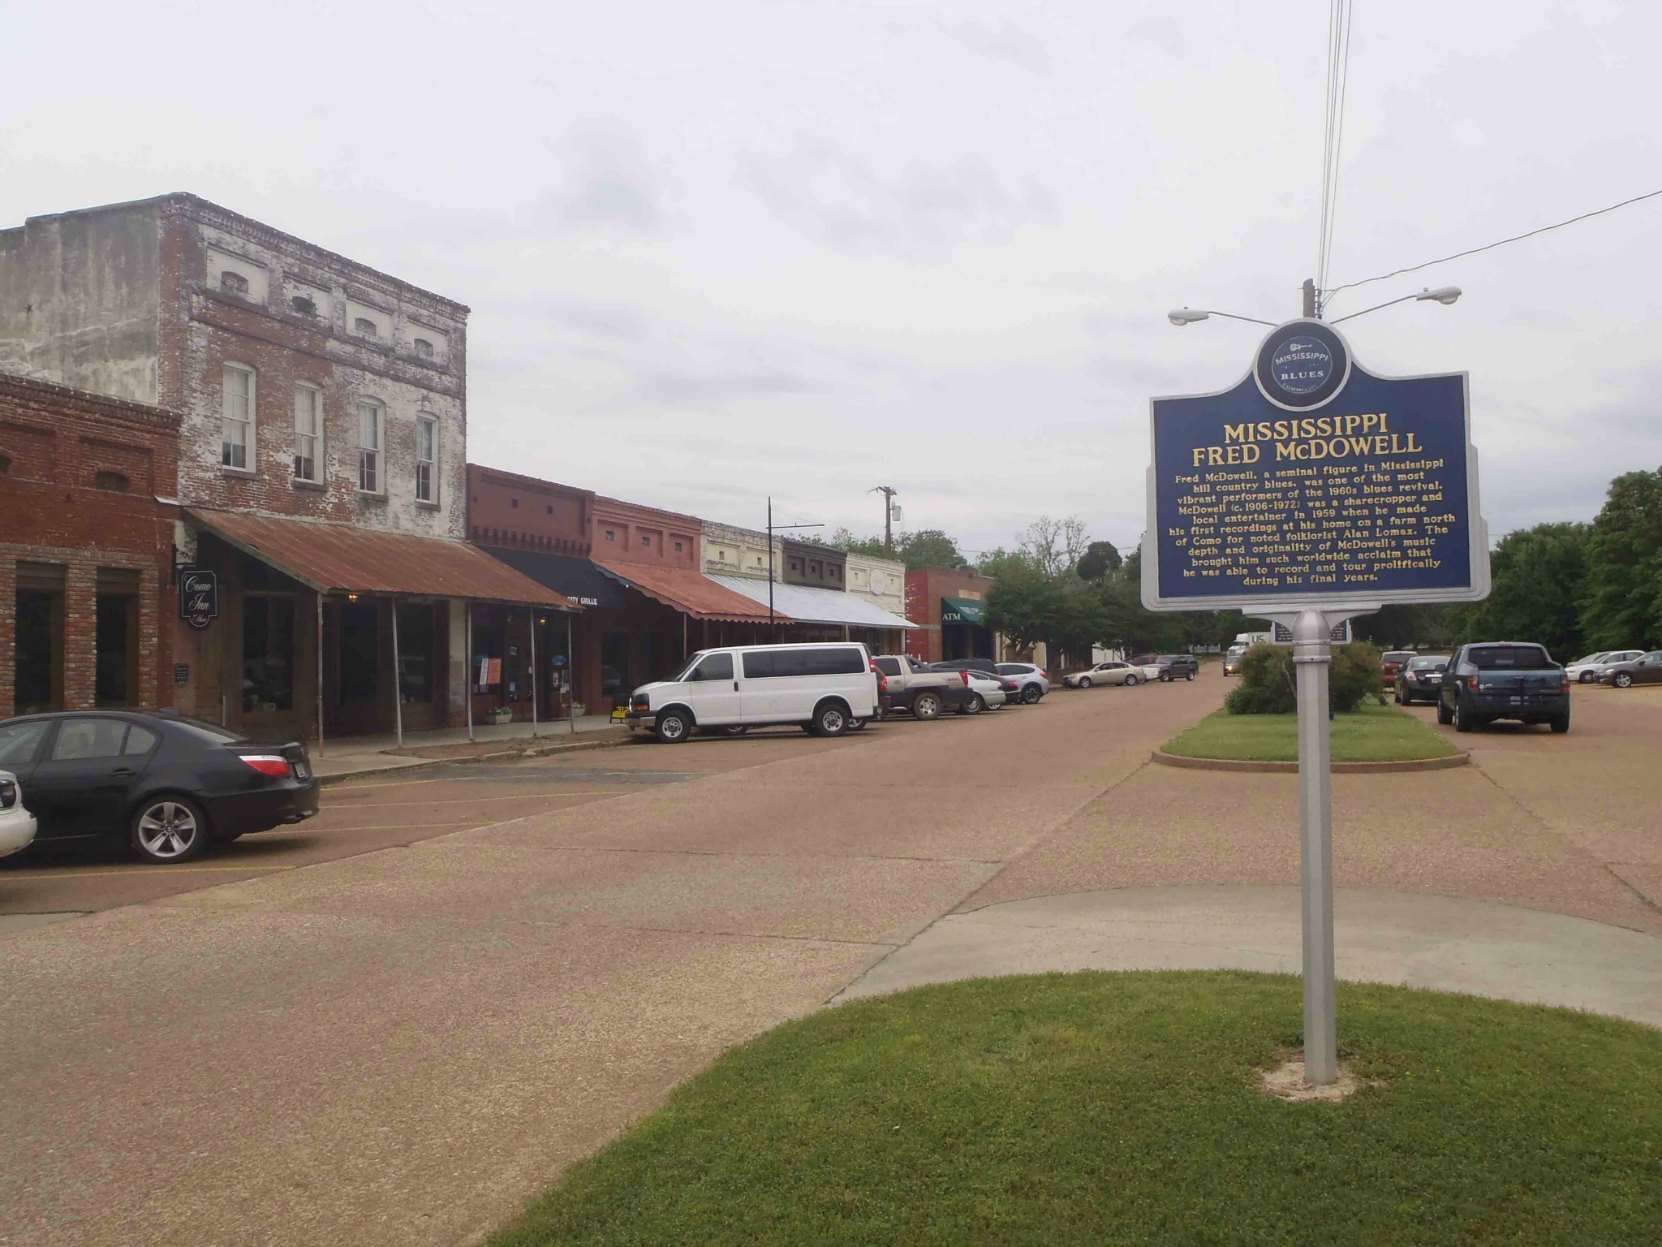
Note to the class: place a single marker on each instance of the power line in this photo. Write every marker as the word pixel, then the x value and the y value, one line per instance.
pixel 1414 268
pixel 1338 77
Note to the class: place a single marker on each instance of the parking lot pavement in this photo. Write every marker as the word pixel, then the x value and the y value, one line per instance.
pixel 482 974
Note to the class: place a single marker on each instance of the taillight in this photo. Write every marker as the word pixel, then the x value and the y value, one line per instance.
pixel 1564 684
pixel 1044 675
pixel 272 764
pixel 882 682
pixel 1471 684
pixel 963 674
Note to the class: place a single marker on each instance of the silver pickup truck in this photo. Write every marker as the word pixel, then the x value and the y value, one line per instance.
pixel 922 693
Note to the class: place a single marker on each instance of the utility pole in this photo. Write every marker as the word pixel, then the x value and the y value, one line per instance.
pixel 772 528
pixel 1312 309
pixel 888 492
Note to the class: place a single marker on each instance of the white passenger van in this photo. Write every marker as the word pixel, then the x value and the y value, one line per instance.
pixel 828 688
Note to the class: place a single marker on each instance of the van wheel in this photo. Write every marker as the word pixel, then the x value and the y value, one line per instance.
pixel 673 726
pixel 829 720
pixel 926 706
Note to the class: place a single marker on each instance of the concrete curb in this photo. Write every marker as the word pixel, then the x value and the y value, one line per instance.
pixel 1163 758
pixel 497 755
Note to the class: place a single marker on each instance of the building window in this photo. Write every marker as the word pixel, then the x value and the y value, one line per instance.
pixel 233 283
pixel 114 482
pixel 721 556
pixel 303 305
pixel 551 510
pixel 308 434
pixel 5 464
pixel 236 425
pixel 116 638
pixel 370 420
pixel 646 541
pixel 679 547
pixel 611 535
pixel 365 326
pixel 424 348
pixel 427 459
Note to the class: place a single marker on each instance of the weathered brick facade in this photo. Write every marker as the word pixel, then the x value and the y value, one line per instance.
pixel 79 515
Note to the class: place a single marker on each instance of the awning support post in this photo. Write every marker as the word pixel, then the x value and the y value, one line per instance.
pixel 320 673
pixel 531 616
pixel 397 679
pixel 467 674
pixel 571 679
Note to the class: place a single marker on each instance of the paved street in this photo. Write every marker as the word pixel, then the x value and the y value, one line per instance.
pixel 394 1025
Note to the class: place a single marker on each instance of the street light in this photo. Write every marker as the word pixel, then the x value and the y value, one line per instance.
pixel 1191 315
pixel 1443 294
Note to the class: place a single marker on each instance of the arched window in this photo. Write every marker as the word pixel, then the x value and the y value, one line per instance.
pixel 115 482
pixel 366 326
pixel 303 305
pixel 424 348
pixel 233 283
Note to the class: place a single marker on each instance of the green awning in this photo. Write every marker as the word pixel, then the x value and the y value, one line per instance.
pixel 963 611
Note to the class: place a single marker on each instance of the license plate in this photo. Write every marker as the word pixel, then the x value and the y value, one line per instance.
pixel 301 771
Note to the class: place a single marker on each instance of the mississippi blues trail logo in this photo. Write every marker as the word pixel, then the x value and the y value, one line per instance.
pixel 1302 365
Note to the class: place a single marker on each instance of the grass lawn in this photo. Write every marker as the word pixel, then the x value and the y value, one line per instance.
pixel 1124 1108
pixel 1372 734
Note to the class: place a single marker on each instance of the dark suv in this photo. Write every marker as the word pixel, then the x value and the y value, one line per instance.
pixel 1177 667
pixel 1503 680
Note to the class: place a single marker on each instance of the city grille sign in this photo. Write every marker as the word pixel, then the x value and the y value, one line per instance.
pixel 1312 482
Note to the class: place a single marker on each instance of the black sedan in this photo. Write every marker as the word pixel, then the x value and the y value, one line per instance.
pixel 1420 678
pixel 169 784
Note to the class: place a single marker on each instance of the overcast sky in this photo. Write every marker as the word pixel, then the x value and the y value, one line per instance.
pixel 719 250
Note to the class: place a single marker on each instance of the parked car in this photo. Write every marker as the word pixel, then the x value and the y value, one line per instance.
pixel 919 690
pixel 1391 662
pixel 824 688
pixel 990 692
pixel 17 825
pixel 1232 659
pixel 1645 669
pixel 1176 667
pixel 1105 673
pixel 1033 679
pixel 171 785
pixel 1420 678
pixel 967 664
pixel 1503 680
pixel 1584 670
pixel 1610 661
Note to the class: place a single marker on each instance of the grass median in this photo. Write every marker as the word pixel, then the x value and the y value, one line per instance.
pixel 1126 1108
pixel 1374 733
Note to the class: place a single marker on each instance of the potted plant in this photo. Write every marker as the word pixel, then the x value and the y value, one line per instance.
pixel 502 714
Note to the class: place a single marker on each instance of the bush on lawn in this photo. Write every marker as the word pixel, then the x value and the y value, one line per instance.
pixel 1267 684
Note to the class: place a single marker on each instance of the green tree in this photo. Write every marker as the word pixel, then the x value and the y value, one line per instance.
pixel 1622 602
pixel 929 547
pixel 1099 559
pixel 1538 578
pixel 844 539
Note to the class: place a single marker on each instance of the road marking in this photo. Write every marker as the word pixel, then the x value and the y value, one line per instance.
pixel 520 796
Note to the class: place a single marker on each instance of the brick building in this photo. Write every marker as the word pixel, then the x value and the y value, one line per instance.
pixel 949 607
pixel 85 549
pixel 322 397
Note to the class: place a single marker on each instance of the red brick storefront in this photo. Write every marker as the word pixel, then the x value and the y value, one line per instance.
pixel 86 549
pixel 932 641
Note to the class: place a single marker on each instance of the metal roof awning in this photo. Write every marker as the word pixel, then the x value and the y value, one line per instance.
pixel 807 604
pixel 963 611
pixel 336 558
pixel 578 578
pixel 690 592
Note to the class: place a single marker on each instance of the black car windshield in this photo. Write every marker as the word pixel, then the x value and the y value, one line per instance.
pixel 1509 658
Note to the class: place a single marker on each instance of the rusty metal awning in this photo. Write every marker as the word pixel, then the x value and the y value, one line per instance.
pixel 690 592
pixel 336 558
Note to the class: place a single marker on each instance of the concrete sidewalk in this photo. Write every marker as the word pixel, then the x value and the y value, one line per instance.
pixel 1446 943
pixel 362 755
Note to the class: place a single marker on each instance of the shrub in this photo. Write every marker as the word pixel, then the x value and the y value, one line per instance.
pixel 1268 687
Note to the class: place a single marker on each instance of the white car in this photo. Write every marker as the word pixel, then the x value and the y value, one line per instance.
pixel 1033 679
pixel 1108 673
pixel 17 825
pixel 1588 670
pixel 989 692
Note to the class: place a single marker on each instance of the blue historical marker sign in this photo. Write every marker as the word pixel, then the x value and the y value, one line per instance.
pixel 1314 483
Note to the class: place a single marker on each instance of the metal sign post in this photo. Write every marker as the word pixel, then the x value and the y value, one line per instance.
pixel 1309 492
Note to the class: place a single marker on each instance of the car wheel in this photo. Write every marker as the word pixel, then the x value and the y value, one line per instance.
pixel 1189 676
pixel 169 829
pixel 1445 716
pixel 1622 679
pixel 973 706
pixel 1463 720
pixel 1586 677
pixel 1031 694
pixel 858 725
pixel 926 706
pixel 1560 723
pixel 1165 677
pixel 673 726
pixel 1132 681
pixel 1084 684
pixel 830 720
